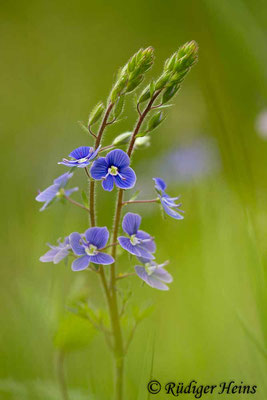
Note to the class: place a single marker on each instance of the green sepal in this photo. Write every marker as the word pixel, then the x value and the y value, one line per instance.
pixel 119 106
pixel 122 138
pixel 144 96
pixel 155 121
pixel 169 93
pixel 96 113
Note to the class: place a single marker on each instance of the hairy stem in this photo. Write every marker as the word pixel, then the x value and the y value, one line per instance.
pixel 124 203
pixel 118 340
pixel 76 203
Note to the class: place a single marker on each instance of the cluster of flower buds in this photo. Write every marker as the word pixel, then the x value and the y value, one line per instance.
pixel 132 74
pixel 175 69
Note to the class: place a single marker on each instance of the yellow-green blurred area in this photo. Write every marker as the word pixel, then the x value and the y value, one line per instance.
pixel 58 59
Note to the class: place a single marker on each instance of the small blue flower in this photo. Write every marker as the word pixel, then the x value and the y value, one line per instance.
pixel 81 157
pixel 139 243
pixel 114 168
pixel 56 190
pixel 168 203
pixel 88 246
pixel 154 274
pixel 57 253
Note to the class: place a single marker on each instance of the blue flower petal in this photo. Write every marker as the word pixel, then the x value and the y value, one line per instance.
pixel 80 152
pixel 131 223
pixel 63 179
pixel 163 275
pixel 48 194
pixel 148 243
pixel 97 236
pixel 102 258
pixel 62 253
pixel 68 192
pixel 80 263
pixel 75 239
pixel 160 184
pixel 118 158
pixel 151 280
pixel 126 179
pixel 135 250
pixel 49 255
pixel 169 211
pixel 99 168
pixel 108 183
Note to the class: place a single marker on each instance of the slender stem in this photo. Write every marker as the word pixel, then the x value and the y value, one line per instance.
pixel 110 146
pixel 140 121
pixel 103 125
pixel 115 317
pixel 87 173
pixel 76 203
pixel 122 276
pixel 130 337
pixel 92 202
pixel 124 203
pixel 110 245
pixel 61 375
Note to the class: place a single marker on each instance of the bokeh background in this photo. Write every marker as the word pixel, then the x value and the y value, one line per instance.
pixel 58 58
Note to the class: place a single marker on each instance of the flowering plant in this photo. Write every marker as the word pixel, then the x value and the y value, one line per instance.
pixel 91 250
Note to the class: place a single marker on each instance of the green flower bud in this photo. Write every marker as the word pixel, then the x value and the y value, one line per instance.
pixel 145 95
pixel 142 142
pixel 123 138
pixel 169 93
pixel 119 106
pixel 154 122
pixel 134 83
pixel 162 81
pixel 96 113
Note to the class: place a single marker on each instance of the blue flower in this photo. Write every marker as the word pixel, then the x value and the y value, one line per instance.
pixel 56 190
pixel 81 157
pixel 114 168
pixel 57 253
pixel 168 203
pixel 139 243
pixel 88 246
pixel 154 274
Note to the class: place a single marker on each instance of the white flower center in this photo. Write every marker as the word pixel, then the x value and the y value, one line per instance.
pixel 134 240
pixel 60 193
pixel 91 250
pixel 113 170
pixel 81 160
pixel 148 269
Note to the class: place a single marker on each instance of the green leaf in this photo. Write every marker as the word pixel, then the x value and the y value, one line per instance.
pixel 145 95
pixel 119 106
pixel 96 113
pixel 85 199
pixel 132 84
pixel 155 121
pixel 162 81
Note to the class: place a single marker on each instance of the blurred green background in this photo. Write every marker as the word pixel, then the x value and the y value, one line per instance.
pixel 58 59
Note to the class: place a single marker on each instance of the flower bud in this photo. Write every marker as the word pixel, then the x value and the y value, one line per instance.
pixel 123 138
pixel 143 141
pixel 154 122
pixel 96 113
